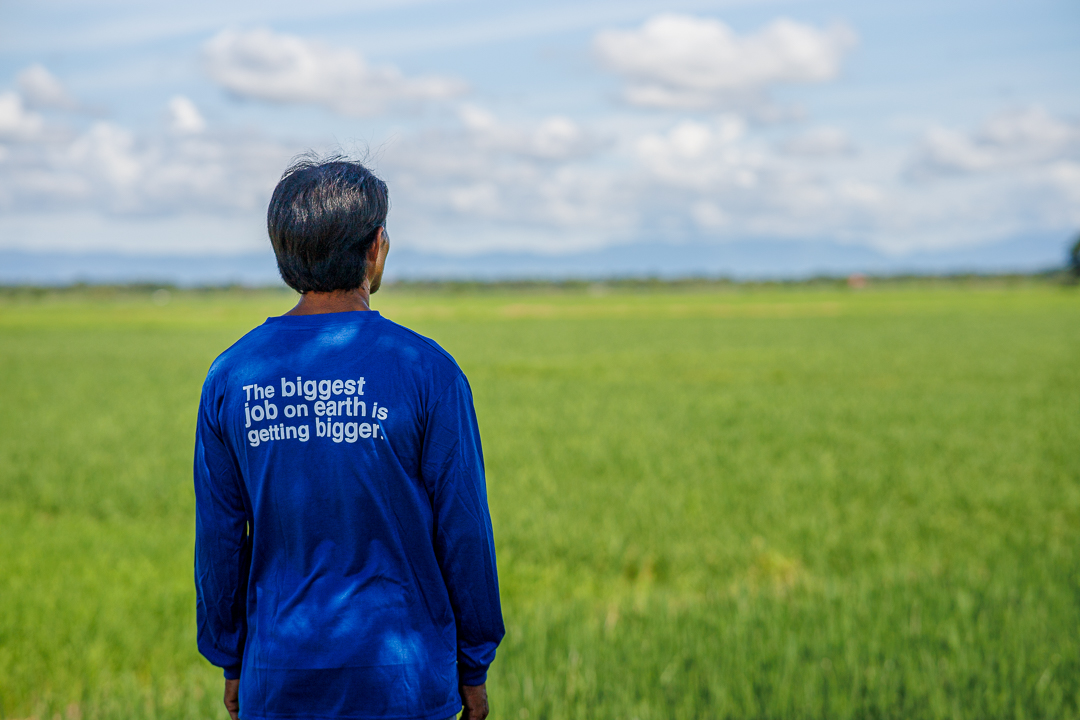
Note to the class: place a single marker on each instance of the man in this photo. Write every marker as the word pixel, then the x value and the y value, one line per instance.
pixel 344 559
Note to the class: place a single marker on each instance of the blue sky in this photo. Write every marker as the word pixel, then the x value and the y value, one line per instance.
pixel 901 128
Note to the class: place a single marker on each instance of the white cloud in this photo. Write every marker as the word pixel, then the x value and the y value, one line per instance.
pixel 698 155
pixel 555 184
pixel 708 215
pixel 91 231
pixel 1061 181
pixel 106 152
pixel 1018 172
pixel 716 179
pixel 1065 177
pixel 479 199
pixel 41 89
pixel 111 169
pixel 678 61
pixel 493 184
pixel 553 138
pixel 276 67
pixel 697 180
pixel 819 142
pixel 485 188
pixel 16 122
pixel 184 118
pixel 1009 140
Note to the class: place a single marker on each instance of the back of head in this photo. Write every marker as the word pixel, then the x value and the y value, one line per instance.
pixel 322 219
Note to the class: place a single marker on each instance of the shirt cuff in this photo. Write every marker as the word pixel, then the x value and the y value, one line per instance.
pixel 472 676
pixel 232 672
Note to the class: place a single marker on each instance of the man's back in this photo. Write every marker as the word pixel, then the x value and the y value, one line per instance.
pixel 366 583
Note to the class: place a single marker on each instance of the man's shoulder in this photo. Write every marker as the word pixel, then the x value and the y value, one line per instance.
pixel 224 364
pixel 424 346
pixel 262 338
pixel 413 350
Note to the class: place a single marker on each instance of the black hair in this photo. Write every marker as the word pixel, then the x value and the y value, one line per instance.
pixel 323 217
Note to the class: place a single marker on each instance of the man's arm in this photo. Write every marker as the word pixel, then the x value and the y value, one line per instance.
pixel 232 698
pixel 222 544
pixel 453 469
pixel 475 701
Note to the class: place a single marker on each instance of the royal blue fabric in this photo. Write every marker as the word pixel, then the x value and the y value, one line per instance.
pixel 351 574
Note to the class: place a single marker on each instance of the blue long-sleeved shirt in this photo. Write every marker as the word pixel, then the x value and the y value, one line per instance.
pixel 344 558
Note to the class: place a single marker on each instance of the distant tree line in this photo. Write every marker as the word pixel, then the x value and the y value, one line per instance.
pixel 1074 259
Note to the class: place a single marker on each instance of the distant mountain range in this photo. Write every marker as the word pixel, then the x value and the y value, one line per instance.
pixel 750 259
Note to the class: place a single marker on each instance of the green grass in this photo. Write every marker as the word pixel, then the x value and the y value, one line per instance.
pixel 708 503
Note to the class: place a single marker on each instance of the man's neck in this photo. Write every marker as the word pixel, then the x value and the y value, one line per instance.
pixel 317 303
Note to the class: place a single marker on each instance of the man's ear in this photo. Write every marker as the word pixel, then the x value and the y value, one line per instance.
pixel 376 247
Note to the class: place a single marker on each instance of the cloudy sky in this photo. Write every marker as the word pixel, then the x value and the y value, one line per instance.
pixel 546 128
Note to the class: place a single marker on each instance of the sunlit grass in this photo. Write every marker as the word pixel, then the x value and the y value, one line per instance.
pixel 785 502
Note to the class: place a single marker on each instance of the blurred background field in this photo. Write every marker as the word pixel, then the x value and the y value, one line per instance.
pixel 710 500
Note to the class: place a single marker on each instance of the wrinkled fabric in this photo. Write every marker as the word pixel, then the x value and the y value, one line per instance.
pixel 344 557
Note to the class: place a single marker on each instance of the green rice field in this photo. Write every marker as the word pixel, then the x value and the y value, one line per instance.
pixel 709 500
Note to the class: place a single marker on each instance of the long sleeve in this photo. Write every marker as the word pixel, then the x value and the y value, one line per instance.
pixel 222 544
pixel 453 471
